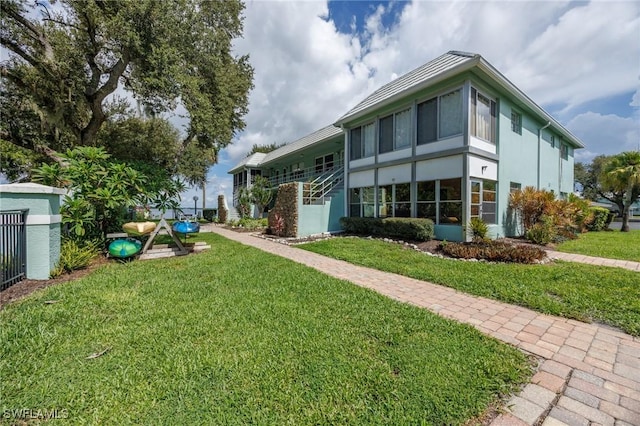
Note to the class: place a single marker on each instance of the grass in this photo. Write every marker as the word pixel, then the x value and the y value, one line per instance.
pixel 583 292
pixel 611 244
pixel 236 336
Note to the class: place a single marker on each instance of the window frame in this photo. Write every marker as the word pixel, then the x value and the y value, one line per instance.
pixel 437 100
pixel 394 131
pixel 474 121
pixel 516 125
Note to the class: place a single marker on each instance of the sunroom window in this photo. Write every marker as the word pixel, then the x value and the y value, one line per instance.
pixel 483 116
pixel 394 200
pixel 440 117
pixel 395 132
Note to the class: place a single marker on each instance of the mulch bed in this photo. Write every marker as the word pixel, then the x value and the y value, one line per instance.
pixel 26 287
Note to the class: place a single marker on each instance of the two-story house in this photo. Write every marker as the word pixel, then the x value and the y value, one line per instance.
pixel 448 141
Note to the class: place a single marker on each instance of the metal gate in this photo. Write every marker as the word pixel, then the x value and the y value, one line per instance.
pixel 13 246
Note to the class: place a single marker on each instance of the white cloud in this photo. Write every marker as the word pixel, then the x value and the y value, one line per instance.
pixel 604 134
pixel 562 54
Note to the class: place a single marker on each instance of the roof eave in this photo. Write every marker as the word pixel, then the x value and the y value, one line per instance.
pixel 514 91
pixel 464 66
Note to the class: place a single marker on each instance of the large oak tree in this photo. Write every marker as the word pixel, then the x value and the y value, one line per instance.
pixel 69 61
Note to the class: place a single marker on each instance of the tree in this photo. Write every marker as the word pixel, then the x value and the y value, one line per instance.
pixel 264 148
pixel 66 66
pixel 589 176
pixel 622 173
pixel 261 194
pixel 155 141
pixel 596 184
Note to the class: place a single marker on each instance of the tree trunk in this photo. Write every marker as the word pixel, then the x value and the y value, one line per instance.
pixel 627 209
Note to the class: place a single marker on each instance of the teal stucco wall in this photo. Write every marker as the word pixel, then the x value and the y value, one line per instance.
pixel 43 224
pixel 320 218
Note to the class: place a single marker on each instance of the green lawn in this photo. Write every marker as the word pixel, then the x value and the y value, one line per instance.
pixel 584 292
pixel 611 244
pixel 237 336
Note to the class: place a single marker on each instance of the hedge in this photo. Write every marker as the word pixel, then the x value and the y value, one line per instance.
pixel 209 214
pixel 414 229
pixel 601 219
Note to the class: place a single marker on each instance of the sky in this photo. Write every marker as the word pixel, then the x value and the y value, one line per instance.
pixel 314 60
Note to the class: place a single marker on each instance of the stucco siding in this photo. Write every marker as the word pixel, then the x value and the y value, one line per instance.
pixel 439 168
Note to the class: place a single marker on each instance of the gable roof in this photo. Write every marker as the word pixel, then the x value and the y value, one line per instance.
pixel 316 137
pixel 416 78
pixel 439 69
pixel 260 159
pixel 252 160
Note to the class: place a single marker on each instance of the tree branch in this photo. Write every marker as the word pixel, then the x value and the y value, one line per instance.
pixel 35 32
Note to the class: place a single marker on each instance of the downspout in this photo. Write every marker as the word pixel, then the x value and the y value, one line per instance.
pixel 539 143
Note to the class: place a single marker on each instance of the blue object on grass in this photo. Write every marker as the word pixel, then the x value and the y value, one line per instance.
pixel 124 248
pixel 186 227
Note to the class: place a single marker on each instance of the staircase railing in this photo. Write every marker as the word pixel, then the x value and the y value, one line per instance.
pixel 302 175
pixel 320 187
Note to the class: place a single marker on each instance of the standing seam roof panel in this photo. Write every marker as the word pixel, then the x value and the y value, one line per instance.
pixel 419 75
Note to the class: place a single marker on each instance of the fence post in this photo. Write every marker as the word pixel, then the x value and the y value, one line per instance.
pixel 42 223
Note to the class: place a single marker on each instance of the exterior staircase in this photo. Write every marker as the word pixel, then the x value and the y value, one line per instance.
pixel 323 187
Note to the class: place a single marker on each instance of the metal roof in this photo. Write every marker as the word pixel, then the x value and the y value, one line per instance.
pixel 252 160
pixel 414 78
pixel 445 66
pixel 314 138
pixel 260 159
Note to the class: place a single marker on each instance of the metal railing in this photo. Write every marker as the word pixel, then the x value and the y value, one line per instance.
pixel 304 175
pixel 13 246
pixel 318 189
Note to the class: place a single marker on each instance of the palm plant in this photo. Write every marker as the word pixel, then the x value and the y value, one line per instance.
pixel 622 173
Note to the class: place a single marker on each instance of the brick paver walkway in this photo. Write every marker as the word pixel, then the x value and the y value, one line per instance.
pixel 600 261
pixel 589 374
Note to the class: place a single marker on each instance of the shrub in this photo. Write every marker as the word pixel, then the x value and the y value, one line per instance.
pixel 251 224
pixel 276 227
pixel 75 255
pixel 601 219
pixel 479 229
pixel 416 229
pixel 209 214
pixel 531 204
pixel 494 251
pixel 542 232
pixel 362 225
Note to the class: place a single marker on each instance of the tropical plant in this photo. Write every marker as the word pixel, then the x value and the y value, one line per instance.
pixel 530 204
pixel 100 190
pixel 479 229
pixel 75 255
pixel 622 173
pixel 244 202
pixel 261 194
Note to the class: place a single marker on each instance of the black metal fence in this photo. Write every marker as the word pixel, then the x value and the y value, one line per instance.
pixel 13 246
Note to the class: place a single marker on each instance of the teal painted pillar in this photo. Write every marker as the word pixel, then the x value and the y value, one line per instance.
pixel 43 223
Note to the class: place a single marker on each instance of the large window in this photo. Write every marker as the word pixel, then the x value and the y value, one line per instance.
pixel 361 202
pixel 483 200
pixel 440 201
pixel 394 200
pixel 324 163
pixel 440 117
pixel 450 202
pixel 363 141
pixel 395 132
pixel 483 116
pixel 426 202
